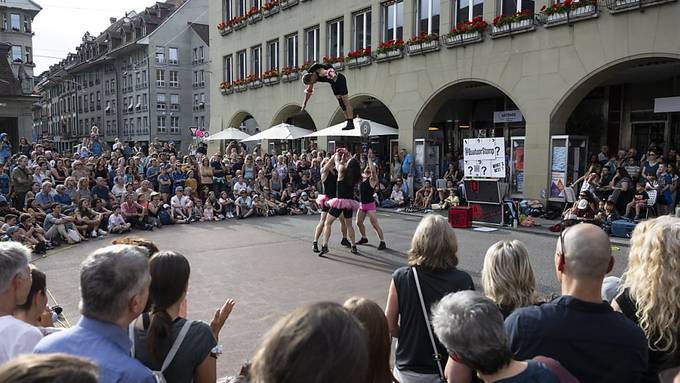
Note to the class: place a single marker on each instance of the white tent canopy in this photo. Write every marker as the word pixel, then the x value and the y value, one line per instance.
pixel 336 130
pixel 279 132
pixel 229 134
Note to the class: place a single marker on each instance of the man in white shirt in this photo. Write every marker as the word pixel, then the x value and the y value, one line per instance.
pixel 179 203
pixel 240 185
pixel 15 284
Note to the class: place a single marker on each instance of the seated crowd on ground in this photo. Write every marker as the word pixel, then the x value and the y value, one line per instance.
pixel 134 326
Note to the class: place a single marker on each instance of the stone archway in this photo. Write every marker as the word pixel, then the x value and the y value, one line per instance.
pixel 291 114
pixel 368 107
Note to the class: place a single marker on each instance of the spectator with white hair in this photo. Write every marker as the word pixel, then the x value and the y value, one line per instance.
pixel 471 327
pixel 578 329
pixel 53 368
pixel 114 286
pixel 15 284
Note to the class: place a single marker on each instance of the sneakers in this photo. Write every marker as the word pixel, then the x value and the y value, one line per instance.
pixel 94 234
pixel 102 232
pixel 345 243
pixel 382 245
pixel 324 250
pixel 362 241
pixel 315 247
pixel 349 126
pixel 354 250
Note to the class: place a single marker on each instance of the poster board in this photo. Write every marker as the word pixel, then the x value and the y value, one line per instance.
pixel 482 191
pixel 484 157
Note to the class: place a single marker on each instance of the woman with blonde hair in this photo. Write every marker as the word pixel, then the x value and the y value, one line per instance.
pixel 317 343
pixel 507 276
pixel 433 260
pixel 651 285
pixel 373 319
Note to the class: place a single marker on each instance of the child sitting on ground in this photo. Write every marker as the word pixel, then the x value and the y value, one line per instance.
pixel 308 205
pixel 607 216
pixel 209 212
pixel 260 205
pixel 452 200
pixel 117 222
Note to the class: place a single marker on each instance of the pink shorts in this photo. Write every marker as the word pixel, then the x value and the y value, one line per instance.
pixel 366 207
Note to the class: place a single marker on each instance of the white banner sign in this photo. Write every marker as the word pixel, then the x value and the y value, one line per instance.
pixel 507 116
pixel 484 157
pixel 667 104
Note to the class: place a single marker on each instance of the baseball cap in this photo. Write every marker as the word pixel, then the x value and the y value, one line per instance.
pixel 12 229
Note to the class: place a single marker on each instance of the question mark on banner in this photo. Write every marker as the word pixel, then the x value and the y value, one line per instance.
pixel 498 150
pixel 484 170
pixel 469 169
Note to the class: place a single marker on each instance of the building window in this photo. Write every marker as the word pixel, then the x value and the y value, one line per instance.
pixel 145 102
pixel 160 78
pixel 174 124
pixel 466 10
pixel 174 102
pixel 226 10
pixel 15 22
pixel 336 38
pixel 27 25
pixel 291 50
pixel 29 55
pixel 202 122
pixel 173 56
pixel 361 30
pixel 273 54
pixel 510 7
pixel 138 103
pixel 241 66
pixel 132 126
pixel 174 79
pixel 99 100
pixel 201 77
pixel 312 44
pixel 145 78
pixel 161 125
pixel 145 124
pixel 242 7
pixel 201 54
pixel 139 125
pixel 227 68
pixel 255 60
pixel 427 16
pixel 113 85
pixel 160 55
pixel 16 53
pixel 160 101
pixel 393 20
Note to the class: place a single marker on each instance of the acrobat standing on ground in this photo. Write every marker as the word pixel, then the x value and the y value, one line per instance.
pixel 326 73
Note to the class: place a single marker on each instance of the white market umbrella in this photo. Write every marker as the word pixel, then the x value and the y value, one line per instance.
pixel 228 135
pixel 377 129
pixel 279 132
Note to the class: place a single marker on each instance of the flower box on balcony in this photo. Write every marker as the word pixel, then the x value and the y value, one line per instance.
pixel 290 77
pixel 255 84
pixel 358 62
pixel 339 66
pixel 227 91
pixel 271 12
pixel 463 39
pixel 422 48
pixel 226 30
pixel 240 25
pixel 389 55
pixel 269 81
pixel 240 88
pixel 285 4
pixel 255 18
pixel 520 26
pixel 573 12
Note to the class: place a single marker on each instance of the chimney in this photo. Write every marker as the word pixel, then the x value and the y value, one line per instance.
pixel 113 20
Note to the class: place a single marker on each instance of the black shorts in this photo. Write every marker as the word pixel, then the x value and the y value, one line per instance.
pixel 339 86
pixel 336 213
pixel 325 208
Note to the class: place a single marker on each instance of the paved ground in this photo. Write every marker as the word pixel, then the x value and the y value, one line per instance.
pixel 268 267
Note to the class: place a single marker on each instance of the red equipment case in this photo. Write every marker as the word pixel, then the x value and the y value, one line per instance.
pixel 460 217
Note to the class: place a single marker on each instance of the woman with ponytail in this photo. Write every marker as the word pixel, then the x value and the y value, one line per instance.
pixel 156 332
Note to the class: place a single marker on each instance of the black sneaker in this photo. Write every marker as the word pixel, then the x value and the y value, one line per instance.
pixel 362 241
pixel 324 250
pixel 315 247
pixel 382 245
pixel 349 126
pixel 354 250
pixel 345 243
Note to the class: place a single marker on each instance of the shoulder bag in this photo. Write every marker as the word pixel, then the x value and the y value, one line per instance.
pixel 158 375
pixel 436 356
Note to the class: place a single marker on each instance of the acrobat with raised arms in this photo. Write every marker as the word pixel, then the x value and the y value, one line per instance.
pixel 326 73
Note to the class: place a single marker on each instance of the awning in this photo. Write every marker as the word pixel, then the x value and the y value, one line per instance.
pixel 279 132
pixel 229 134
pixel 377 129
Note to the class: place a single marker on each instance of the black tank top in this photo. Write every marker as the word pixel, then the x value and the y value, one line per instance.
pixel 345 189
pixel 366 191
pixel 330 185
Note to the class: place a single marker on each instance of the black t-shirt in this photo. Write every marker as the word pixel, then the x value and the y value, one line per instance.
pixel 193 351
pixel 414 350
pixel 592 341
pixel 535 372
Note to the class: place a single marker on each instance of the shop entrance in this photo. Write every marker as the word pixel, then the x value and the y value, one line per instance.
pixel 646 134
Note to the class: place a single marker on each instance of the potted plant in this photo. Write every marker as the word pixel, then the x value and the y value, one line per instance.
pixel 466 32
pixel 270 8
pixel 271 76
pixel 516 21
pixel 237 22
pixel 285 4
pixel 240 85
pixel 568 10
pixel 359 57
pixel 338 62
pixel 422 43
pixel 290 73
pixel 254 81
pixel 224 29
pixel 254 15
pixel 390 50
pixel 226 88
pixel 306 65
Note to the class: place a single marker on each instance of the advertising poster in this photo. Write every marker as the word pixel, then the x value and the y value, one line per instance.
pixel 484 157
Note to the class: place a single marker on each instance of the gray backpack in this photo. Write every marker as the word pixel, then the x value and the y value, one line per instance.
pixel 158 375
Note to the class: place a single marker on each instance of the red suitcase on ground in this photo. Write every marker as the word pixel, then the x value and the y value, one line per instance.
pixel 460 217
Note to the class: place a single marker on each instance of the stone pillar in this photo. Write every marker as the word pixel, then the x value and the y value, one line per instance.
pixel 537 154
